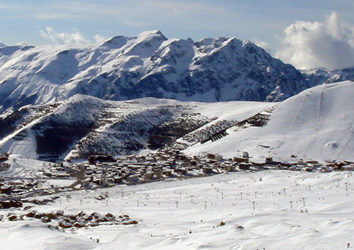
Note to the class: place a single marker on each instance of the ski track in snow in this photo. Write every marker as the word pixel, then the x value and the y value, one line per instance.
pixel 319 125
pixel 295 118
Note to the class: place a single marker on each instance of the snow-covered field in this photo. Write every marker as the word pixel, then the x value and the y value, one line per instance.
pixel 261 210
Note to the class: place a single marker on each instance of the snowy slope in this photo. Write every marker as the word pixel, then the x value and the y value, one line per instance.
pixel 23 167
pixel 149 65
pixel 262 210
pixel 316 124
pixel 83 124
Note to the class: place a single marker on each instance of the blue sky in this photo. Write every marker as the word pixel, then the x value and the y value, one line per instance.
pixel 261 21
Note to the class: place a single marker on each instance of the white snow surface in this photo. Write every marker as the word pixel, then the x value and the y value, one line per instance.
pixel 316 124
pixel 232 111
pixel 262 210
pixel 23 167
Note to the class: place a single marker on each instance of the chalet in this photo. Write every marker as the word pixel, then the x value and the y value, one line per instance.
pixel 241 159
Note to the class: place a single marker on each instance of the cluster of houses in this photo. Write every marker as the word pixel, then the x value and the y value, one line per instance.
pixel 60 220
pixel 17 186
pixel 133 169
pixel 169 163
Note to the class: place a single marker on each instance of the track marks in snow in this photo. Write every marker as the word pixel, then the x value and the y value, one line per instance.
pixel 319 124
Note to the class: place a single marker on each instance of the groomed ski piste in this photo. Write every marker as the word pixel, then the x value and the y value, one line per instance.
pixel 317 124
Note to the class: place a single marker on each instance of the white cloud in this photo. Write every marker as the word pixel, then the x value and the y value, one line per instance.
pixel 315 44
pixel 66 37
pixel 99 38
pixel 63 38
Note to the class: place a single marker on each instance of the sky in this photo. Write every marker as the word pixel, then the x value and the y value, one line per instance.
pixel 296 31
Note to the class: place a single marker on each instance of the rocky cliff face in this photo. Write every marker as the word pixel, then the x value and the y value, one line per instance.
pixel 149 65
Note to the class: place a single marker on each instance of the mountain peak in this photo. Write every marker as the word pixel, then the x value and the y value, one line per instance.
pixel 152 33
pixel 114 42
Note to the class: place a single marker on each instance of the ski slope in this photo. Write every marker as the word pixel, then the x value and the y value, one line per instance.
pixel 262 210
pixel 316 124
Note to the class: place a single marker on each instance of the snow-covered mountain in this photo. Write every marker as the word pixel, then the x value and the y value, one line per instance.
pixel 82 125
pixel 149 65
pixel 322 75
pixel 314 124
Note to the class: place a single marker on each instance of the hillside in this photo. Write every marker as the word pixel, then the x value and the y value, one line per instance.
pixel 315 124
pixel 83 125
